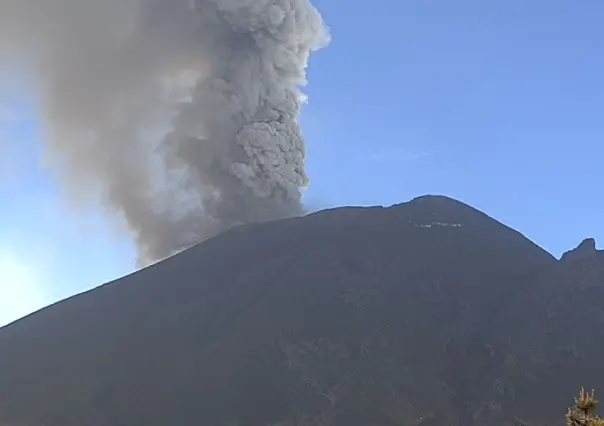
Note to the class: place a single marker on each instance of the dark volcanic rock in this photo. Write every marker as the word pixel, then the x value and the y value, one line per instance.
pixel 553 336
pixel 586 249
pixel 424 313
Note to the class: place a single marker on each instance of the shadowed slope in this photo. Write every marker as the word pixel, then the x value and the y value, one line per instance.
pixel 352 316
pixel 552 334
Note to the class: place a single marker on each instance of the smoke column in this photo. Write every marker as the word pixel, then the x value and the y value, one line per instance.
pixel 181 114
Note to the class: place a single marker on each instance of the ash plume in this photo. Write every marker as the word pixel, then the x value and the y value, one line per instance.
pixel 181 114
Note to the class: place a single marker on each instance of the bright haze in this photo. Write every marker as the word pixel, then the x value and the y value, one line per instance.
pixel 180 115
pixel 130 129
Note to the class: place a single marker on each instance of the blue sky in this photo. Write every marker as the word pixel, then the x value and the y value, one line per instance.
pixel 496 103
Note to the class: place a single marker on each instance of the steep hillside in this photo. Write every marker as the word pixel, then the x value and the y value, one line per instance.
pixel 552 335
pixel 353 316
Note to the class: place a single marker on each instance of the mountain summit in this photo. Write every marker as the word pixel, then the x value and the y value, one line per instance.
pixel 424 313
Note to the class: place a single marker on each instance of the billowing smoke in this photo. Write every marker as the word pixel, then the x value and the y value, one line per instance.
pixel 181 114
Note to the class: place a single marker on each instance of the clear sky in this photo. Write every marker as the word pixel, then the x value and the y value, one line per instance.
pixel 497 103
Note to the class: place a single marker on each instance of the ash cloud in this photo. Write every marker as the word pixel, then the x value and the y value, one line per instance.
pixel 181 114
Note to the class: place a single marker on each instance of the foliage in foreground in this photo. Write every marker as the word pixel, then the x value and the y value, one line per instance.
pixel 583 413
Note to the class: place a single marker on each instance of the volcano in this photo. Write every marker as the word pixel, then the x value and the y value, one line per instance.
pixel 428 312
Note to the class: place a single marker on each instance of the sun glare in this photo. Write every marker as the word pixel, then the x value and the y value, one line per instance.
pixel 20 293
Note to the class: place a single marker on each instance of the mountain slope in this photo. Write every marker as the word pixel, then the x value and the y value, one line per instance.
pixel 553 336
pixel 351 316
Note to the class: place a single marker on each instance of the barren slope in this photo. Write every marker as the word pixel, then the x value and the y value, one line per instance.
pixel 353 316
